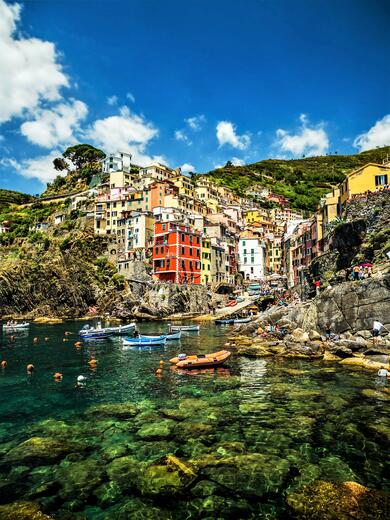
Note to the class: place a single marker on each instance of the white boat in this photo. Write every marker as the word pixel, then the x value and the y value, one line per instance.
pixel 184 328
pixel 242 320
pixel 170 336
pixel 144 341
pixel 99 331
pixel 16 326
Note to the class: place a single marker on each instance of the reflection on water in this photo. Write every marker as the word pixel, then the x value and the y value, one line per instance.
pixel 245 435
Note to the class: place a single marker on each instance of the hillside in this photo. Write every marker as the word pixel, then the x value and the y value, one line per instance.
pixel 303 181
pixel 9 197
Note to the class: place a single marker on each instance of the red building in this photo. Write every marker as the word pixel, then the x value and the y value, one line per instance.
pixel 176 253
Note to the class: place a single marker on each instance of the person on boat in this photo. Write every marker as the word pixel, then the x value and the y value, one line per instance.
pixel 377 326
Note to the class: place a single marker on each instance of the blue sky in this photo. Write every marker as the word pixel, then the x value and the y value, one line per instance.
pixel 193 83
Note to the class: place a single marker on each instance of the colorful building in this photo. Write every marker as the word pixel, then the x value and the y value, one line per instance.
pixel 251 254
pixel 206 274
pixel 371 177
pixel 176 253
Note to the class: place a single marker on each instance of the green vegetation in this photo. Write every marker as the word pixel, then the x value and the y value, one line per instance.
pixel 8 197
pixel 302 181
pixel 81 164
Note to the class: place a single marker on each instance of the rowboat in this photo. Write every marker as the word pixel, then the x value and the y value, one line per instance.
pixel 16 326
pixel 242 320
pixel 184 328
pixel 169 336
pixel 95 334
pixel 145 340
pixel 201 360
pixel 224 322
pixel 88 331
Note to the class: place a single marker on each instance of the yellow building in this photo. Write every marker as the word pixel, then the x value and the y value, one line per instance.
pixel 256 215
pixel 206 261
pixel 329 209
pixel 371 177
pixel 185 185
pixel 209 196
pixel 274 252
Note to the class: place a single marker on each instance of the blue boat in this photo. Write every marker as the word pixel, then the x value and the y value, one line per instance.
pixel 142 341
pixel 170 336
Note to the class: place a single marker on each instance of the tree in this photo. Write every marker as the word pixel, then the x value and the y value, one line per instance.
pixel 228 164
pixel 83 155
pixel 60 164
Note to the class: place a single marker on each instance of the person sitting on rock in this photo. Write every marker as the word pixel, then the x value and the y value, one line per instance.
pixel 328 331
pixel 377 326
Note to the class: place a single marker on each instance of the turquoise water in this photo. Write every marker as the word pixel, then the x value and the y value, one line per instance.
pixel 245 436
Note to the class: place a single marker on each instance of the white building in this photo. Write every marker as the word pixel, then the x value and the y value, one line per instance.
pixel 251 258
pixel 121 162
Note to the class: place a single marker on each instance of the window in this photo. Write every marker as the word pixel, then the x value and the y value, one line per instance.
pixel 190 264
pixel 244 251
pixel 252 251
pixel 252 260
pixel 168 263
pixel 380 180
pixel 252 270
pixel 245 260
pixel 244 243
pixel 162 249
pixel 182 250
pixel 182 264
pixel 197 240
pixel 182 237
pixel 156 250
pixel 198 253
pixel 164 227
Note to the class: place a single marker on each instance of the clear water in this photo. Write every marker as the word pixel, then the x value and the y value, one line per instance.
pixel 251 432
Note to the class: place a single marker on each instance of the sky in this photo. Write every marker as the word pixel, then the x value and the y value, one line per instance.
pixel 191 84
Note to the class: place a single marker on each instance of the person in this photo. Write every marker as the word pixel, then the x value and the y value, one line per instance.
pixel 369 271
pixel 355 273
pixel 328 331
pixel 317 285
pixel 383 372
pixel 377 326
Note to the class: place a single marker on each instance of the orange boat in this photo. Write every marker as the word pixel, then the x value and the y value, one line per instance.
pixel 202 360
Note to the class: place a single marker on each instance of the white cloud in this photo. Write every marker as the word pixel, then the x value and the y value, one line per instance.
pixel 186 167
pixel 236 161
pixel 196 122
pixel 126 132
pixel 55 126
pixel 226 134
pixel 180 135
pixel 307 140
pixel 377 135
pixel 130 97
pixel 112 100
pixel 29 70
pixel 40 167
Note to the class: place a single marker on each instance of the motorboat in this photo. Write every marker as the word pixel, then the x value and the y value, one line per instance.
pixel 242 320
pixel 142 341
pixel 16 326
pixel 184 328
pixel 201 360
pixel 224 321
pixel 88 331
pixel 170 336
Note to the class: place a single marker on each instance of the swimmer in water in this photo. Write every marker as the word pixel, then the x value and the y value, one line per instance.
pixel 3 363
pixel 30 368
pixel 57 376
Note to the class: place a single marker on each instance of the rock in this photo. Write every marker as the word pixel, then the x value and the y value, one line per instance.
pixel 22 511
pixel 79 479
pixel 365 334
pixel 124 472
pixel 363 363
pixel 322 500
pixel 108 494
pixel 41 449
pixel 168 476
pixel 328 356
pixel 380 395
pixel 205 488
pixel 340 350
pixel 134 509
pixel 252 475
pixel 313 335
pixel 157 430
pixel 299 336
pixel 119 410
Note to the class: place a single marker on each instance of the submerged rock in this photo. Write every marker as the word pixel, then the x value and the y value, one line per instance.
pixel 120 410
pixel 124 472
pixel 157 430
pixel 41 449
pixel 79 479
pixel 22 511
pixel 168 476
pixel 322 500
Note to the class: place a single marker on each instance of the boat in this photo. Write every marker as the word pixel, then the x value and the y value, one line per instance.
pixel 202 360
pixel 88 331
pixel 184 328
pixel 242 320
pixel 170 336
pixel 228 321
pixel 16 326
pixel 145 340
pixel 95 334
pixel 232 303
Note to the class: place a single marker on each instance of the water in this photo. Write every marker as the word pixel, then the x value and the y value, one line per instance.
pixel 250 433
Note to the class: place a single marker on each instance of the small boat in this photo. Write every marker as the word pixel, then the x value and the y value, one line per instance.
pixel 142 341
pixel 202 360
pixel 95 334
pixel 170 336
pixel 224 322
pixel 232 303
pixel 184 328
pixel 87 330
pixel 242 320
pixel 16 326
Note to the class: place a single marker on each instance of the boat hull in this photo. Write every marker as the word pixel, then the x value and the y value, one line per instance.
pixel 185 328
pixel 208 360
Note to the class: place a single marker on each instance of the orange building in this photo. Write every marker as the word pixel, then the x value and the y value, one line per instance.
pixel 176 253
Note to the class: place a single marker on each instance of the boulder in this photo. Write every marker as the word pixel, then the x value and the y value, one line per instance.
pixel 22 511
pixel 79 479
pixel 299 336
pixel 41 449
pixel 167 476
pixel 365 334
pixel 117 410
pixel 339 350
pixel 124 472
pixel 157 430
pixel 363 363
pixel 314 335
pixel 322 500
